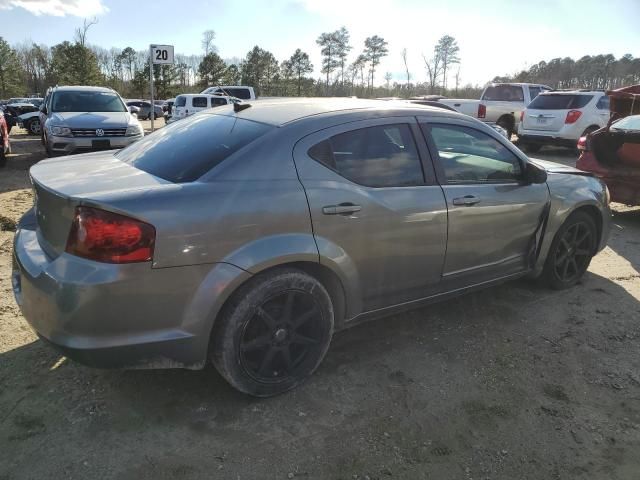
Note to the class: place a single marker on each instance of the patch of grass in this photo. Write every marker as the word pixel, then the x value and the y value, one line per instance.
pixel 7 224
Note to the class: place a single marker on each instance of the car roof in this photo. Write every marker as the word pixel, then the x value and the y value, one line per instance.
pixel 572 92
pixel 287 110
pixel 82 88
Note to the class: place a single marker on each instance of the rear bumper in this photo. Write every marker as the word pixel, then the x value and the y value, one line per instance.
pixel 538 139
pixel 118 316
pixel 69 145
pixel 623 184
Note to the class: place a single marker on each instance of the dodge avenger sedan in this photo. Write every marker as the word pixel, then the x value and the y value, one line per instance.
pixel 247 235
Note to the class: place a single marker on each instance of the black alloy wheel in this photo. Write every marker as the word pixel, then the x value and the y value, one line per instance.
pixel 273 332
pixel 281 336
pixel 571 251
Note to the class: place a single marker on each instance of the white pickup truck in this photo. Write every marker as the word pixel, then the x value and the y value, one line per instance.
pixel 500 103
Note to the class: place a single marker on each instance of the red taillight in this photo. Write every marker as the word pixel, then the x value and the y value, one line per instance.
pixel 482 111
pixel 109 237
pixel 583 145
pixel 572 116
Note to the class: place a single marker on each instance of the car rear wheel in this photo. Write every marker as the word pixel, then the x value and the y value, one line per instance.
pixel 273 333
pixel 571 251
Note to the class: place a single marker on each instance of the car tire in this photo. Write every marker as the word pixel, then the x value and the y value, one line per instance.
pixel 571 251
pixel 47 150
pixel 273 333
pixel 33 127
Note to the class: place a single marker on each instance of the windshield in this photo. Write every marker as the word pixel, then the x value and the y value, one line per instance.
pixel 79 101
pixel 627 123
pixel 186 150
pixel 559 101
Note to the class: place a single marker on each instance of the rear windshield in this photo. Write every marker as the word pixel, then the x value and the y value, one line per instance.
pixel 504 93
pixel 180 101
pixel 627 123
pixel 559 102
pixel 70 101
pixel 186 150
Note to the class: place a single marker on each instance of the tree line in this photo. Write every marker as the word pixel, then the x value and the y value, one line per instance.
pixel 592 72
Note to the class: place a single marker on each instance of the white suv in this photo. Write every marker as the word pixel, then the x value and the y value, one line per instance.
pixel 562 117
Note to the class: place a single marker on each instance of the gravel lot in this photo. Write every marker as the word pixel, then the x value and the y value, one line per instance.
pixel 516 382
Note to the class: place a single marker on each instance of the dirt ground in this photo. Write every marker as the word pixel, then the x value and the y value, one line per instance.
pixel 516 382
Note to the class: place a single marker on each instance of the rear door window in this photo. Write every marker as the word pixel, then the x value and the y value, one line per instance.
pixel 216 102
pixel 199 102
pixel 557 101
pixel 380 156
pixel 504 93
pixel 186 150
pixel 534 92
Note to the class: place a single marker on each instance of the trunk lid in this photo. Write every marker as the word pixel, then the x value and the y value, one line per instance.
pixel 62 184
pixel 544 120
pixel 548 111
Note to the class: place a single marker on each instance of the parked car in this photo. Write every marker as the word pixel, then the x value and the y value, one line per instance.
pixel 77 119
pixel 30 122
pixel 248 235
pixel 191 103
pixel 14 110
pixel 613 152
pixel 145 109
pixel 240 92
pixel 5 146
pixel 500 103
pixel 561 118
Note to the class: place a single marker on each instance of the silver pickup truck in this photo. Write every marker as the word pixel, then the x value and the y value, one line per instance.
pixel 500 103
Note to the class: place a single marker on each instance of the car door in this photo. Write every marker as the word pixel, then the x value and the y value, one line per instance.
pixel 494 216
pixel 376 209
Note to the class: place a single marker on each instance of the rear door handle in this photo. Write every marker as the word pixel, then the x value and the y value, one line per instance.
pixel 342 209
pixel 466 201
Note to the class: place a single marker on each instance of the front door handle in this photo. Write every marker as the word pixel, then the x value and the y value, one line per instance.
pixel 342 209
pixel 466 201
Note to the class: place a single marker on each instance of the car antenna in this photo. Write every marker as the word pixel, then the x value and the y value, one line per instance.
pixel 237 105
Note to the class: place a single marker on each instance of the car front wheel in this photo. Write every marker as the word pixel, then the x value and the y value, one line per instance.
pixel 34 127
pixel 571 251
pixel 273 333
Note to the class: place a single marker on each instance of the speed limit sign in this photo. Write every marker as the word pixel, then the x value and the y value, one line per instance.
pixel 162 54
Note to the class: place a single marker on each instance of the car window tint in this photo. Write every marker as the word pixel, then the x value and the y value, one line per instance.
pixel 241 93
pixel 628 123
pixel 534 92
pixel 180 101
pixel 199 102
pixel 603 103
pixel 471 156
pixel 186 150
pixel 380 156
pixel 555 101
pixel 218 101
pixel 504 93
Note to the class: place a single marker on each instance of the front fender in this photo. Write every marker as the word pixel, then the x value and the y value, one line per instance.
pixel 569 193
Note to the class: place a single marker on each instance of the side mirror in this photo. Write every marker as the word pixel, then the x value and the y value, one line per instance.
pixel 534 173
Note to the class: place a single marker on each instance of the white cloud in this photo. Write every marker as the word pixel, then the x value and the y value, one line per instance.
pixel 58 8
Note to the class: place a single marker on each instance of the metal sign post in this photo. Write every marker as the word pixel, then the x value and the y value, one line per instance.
pixel 159 55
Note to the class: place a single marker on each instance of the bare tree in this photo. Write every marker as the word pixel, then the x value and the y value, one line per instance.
pixel 457 77
pixel 387 78
pixel 208 36
pixel 434 70
pixel 81 32
pixel 406 66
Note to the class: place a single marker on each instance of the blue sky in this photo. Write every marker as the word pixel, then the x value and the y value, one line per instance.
pixel 495 36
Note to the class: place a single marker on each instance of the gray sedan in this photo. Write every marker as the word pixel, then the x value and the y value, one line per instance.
pixel 249 234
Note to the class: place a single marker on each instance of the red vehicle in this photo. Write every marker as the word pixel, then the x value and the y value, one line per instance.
pixel 4 140
pixel 613 152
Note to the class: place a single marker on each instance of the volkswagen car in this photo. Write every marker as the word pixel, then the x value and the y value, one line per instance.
pixel 81 119
pixel 248 234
